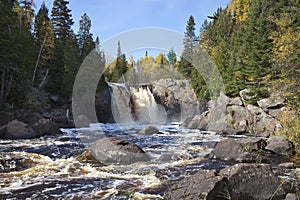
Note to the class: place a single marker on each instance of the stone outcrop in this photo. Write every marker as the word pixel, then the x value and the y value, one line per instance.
pixel 253 181
pixel 254 149
pixel 241 181
pixel 235 116
pixel 177 97
pixel 114 150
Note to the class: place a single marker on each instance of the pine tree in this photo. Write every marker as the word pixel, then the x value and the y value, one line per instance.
pixel 62 22
pixel 255 46
pixel 44 39
pixel 85 38
pixel 185 64
pixel 172 59
pixel 72 62
pixel 62 19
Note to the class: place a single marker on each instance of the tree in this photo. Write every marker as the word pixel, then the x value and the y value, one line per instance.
pixel 120 67
pixel 62 22
pixel 85 38
pixel 185 64
pixel 255 46
pixel 161 59
pixel 62 19
pixel 172 59
pixel 71 64
pixel 286 52
pixel 44 39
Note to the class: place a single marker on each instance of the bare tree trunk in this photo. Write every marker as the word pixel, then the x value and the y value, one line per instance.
pixel 2 87
pixel 44 79
pixel 38 59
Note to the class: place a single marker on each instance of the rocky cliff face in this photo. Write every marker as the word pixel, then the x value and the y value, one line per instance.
pixel 235 116
pixel 177 97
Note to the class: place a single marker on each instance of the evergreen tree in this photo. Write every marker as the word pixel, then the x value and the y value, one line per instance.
pixel 185 64
pixel 255 46
pixel 44 39
pixel 172 59
pixel 62 22
pixel 85 38
pixel 72 62
pixel 62 19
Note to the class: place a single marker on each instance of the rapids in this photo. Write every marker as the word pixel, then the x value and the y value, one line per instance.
pixel 60 167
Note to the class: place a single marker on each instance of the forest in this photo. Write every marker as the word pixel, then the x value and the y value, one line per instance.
pixel 253 44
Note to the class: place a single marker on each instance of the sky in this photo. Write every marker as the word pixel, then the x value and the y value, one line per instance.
pixel 112 17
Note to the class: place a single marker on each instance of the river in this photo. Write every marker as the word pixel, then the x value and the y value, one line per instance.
pixel 61 167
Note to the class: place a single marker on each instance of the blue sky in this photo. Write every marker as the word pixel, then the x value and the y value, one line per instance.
pixel 112 17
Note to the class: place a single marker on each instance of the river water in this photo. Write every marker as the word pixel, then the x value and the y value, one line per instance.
pixel 61 167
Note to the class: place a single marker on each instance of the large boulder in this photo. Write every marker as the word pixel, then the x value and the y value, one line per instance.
pixel 149 130
pixel 46 126
pixel 253 182
pixel 198 121
pixel 17 130
pixel 239 117
pixel 228 149
pixel 241 150
pixel 217 114
pixel 263 124
pixel 202 185
pixel 280 145
pixel 114 150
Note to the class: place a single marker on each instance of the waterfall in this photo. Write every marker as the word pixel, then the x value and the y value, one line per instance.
pixel 135 104
pixel 120 102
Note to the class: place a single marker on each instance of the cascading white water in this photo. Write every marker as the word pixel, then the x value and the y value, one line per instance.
pixel 120 102
pixel 146 109
pixel 137 103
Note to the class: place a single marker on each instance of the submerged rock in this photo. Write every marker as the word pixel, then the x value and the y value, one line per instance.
pixel 17 130
pixel 149 130
pixel 115 150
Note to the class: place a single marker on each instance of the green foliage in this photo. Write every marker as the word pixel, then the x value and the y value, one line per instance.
pixel 291 129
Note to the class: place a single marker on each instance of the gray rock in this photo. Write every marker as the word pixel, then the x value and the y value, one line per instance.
pixel 291 196
pixel 253 144
pixel 245 94
pixel 236 101
pixel 114 150
pixel 17 130
pixel 177 97
pixel 270 103
pixel 253 182
pixel 198 121
pixel 228 149
pixel 202 185
pixel 149 130
pixel 46 126
pixel 239 117
pixel 280 145
pixel 263 124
